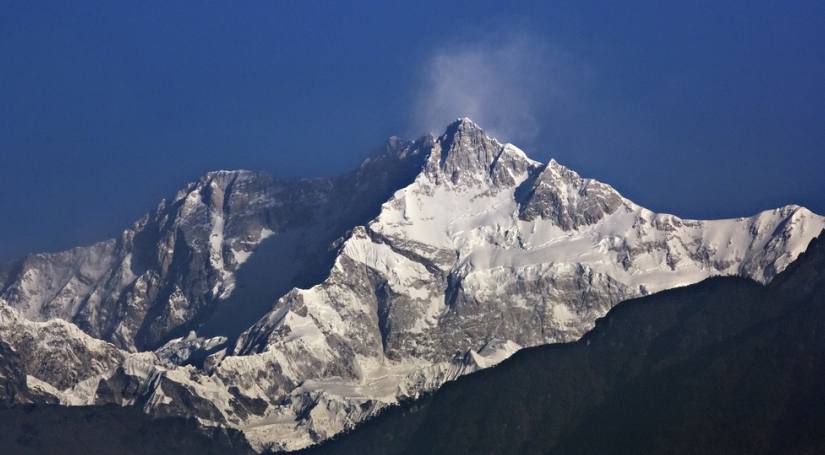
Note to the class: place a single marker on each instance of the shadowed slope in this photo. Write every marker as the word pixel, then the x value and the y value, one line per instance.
pixel 108 429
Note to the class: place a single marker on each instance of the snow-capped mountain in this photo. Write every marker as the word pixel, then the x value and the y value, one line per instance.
pixel 166 274
pixel 294 310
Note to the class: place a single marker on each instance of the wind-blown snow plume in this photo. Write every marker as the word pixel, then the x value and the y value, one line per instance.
pixel 501 81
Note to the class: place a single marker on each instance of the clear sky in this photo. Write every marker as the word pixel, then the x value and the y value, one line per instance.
pixel 700 108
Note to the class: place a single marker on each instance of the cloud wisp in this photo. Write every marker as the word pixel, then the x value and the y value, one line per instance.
pixel 505 83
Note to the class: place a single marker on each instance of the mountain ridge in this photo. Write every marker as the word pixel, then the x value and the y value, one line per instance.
pixel 295 310
pixel 727 365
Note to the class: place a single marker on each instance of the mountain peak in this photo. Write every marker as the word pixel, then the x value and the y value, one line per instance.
pixel 560 194
pixel 465 123
pixel 466 154
pixel 465 128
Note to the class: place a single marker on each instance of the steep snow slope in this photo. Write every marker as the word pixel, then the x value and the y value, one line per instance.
pixel 476 252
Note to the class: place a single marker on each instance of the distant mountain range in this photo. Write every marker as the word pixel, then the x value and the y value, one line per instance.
pixel 295 310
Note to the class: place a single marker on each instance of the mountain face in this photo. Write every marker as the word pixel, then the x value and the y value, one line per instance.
pixel 724 366
pixel 293 310
pixel 176 266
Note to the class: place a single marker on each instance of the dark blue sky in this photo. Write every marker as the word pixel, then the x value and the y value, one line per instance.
pixel 703 109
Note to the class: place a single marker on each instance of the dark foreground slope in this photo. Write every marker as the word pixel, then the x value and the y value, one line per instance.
pixel 108 430
pixel 723 366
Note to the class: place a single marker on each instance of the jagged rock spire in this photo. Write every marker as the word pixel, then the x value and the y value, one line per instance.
pixel 466 155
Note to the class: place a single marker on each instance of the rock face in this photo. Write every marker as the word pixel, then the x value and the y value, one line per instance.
pixel 294 310
pixel 559 194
